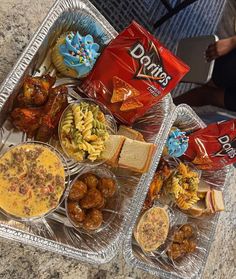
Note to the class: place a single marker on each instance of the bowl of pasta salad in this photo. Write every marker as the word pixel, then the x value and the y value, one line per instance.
pixel 84 128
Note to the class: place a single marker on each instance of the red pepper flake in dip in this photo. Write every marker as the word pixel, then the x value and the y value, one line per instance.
pixel 32 180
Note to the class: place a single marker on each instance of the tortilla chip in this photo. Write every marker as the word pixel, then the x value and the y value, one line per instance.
pixel 201 161
pixel 131 104
pixel 122 91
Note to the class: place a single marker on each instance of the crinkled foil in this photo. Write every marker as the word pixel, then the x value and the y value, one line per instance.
pixel 53 233
pixel 185 119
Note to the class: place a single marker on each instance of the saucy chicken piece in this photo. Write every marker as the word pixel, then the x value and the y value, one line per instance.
pixel 107 187
pixel 26 119
pixel 175 251
pixel 93 219
pixel 76 213
pixel 35 90
pixel 53 109
pixel 187 230
pixel 178 236
pixel 78 191
pixel 101 205
pixel 90 180
pixel 190 246
pixel 92 199
pixel 41 122
pixel 162 174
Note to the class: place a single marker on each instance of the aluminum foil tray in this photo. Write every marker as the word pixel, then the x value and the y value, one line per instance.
pixel 185 119
pixel 53 232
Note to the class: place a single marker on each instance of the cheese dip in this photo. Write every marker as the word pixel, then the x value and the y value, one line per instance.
pixel 32 180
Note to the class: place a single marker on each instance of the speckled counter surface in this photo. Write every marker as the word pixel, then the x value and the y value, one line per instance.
pixel 18 21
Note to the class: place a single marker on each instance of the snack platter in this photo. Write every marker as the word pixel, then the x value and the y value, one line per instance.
pixel 53 232
pixel 157 263
pixel 80 178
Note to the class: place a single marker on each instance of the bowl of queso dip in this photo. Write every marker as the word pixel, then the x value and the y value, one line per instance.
pixel 32 180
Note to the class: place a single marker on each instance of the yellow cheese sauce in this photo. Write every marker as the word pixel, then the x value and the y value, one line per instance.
pixel 152 229
pixel 32 180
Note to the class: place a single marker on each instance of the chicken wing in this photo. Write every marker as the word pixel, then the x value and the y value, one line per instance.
pixel 27 119
pixel 35 90
pixel 53 109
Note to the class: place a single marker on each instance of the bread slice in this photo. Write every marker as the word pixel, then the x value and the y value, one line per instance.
pixel 140 137
pixel 112 149
pixel 203 187
pixel 136 155
pixel 130 133
pixel 208 201
pixel 217 200
pixel 197 209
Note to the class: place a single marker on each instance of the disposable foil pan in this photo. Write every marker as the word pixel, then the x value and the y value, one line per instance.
pixel 53 232
pixel 185 119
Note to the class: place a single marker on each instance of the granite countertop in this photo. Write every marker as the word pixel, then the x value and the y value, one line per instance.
pixel 18 21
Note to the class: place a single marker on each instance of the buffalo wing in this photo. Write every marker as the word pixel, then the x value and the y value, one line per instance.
pixel 39 122
pixel 56 103
pixel 35 90
pixel 27 119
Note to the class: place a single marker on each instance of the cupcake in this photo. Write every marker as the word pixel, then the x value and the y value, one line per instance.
pixel 75 55
pixel 176 144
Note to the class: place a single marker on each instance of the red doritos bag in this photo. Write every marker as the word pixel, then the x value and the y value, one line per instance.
pixel 133 73
pixel 213 147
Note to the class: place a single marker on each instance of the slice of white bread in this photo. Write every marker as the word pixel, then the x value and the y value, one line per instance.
pixel 130 133
pixel 217 200
pixel 208 201
pixel 112 149
pixel 212 203
pixel 203 187
pixel 197 209
pixel 136 155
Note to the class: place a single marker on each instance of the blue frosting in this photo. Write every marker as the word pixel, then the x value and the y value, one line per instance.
pixel 80 53
pixel 177 143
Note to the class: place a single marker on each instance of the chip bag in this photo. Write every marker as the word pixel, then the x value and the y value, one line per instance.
pixel 134 72
pixel 213 147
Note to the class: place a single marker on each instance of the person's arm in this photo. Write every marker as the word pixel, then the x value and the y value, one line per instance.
pixel 220 48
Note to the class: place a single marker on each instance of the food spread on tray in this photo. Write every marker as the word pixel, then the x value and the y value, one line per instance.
pixel 32 180
pixel 132 73
pixel 143 71
pixel 177 184
pixel 74 55
pixel 87 198
pixel 83 130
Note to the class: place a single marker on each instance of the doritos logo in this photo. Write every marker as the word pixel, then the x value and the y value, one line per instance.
pixel 150 64
pixel 228 147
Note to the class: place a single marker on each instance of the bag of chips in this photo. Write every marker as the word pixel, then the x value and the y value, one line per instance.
pixel 134 72
pixel 213 147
